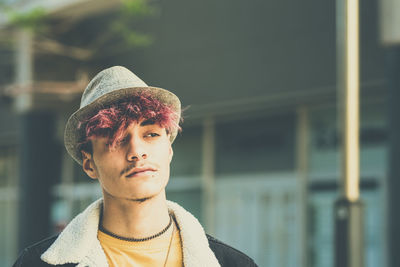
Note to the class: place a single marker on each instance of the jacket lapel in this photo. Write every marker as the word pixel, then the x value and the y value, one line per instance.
pixel 196 251
pixel 78 242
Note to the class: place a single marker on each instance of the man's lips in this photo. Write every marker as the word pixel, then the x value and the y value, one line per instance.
pixel 140 171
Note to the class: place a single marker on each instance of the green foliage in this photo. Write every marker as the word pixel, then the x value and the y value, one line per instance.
pixel 137 8
pixel 4 4
pixel 129 35
pixel 131 13
pixel 34 19
pixel 122 29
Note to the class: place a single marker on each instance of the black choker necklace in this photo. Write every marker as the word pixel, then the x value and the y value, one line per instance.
pixel 135 239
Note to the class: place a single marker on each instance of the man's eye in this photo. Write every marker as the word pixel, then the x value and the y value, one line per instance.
pixel 152 135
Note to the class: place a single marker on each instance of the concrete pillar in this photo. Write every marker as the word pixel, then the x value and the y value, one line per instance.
pixel 389 11
pixel 393 179
pixel 38 151
pixel 302 160
pixel 208 174
pixel 39 169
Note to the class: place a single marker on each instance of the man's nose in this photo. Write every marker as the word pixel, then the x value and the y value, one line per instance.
pixel 136 149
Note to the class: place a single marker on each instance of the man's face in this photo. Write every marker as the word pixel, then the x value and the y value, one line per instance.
pixel 137 167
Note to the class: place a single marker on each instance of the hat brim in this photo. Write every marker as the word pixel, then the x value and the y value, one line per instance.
pixel 74 135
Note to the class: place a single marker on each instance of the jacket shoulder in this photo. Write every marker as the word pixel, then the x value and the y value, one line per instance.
pixel 30 256
pixel 227 255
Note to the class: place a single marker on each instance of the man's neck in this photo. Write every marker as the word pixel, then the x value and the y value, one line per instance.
pixel 134 219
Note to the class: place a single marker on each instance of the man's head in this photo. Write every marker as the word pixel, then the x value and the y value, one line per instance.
pixel 122 134
pixel 112 86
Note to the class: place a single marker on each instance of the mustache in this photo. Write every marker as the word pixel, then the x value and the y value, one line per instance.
pixel 132 166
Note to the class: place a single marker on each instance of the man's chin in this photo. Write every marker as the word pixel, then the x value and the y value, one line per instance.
pixel 140 200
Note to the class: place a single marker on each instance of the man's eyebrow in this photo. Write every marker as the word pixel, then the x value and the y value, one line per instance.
pixel 148 122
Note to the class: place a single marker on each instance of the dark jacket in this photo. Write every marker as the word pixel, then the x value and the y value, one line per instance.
pixel 77 244
pixel 226 255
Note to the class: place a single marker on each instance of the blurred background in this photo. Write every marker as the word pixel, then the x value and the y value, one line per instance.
pixel 258 158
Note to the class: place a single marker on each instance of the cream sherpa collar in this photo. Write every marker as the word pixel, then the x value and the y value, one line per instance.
pixel 78 242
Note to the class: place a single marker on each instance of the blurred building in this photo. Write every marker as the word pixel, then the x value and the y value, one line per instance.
pixel 257 161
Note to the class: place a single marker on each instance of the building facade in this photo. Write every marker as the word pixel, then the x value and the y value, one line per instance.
pixel 258 158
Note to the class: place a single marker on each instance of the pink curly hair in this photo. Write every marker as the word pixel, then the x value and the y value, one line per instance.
pixel 112 121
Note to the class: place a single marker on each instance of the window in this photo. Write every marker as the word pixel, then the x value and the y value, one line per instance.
pixel 256 145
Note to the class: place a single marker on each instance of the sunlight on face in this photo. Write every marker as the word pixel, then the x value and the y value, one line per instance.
pixel 136 167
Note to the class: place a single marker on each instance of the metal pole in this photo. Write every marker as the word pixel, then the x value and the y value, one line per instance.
pixel 348 207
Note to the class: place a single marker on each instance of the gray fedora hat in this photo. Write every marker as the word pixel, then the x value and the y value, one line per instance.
pixel 109 86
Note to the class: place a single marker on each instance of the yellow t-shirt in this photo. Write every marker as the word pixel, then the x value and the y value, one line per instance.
pixel 152 252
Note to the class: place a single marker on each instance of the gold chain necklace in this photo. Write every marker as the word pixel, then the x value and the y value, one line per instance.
pixel 170 242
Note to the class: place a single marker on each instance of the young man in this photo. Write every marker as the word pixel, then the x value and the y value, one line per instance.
pixel 122 136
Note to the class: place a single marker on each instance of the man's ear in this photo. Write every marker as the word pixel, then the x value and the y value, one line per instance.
pixel 88 165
